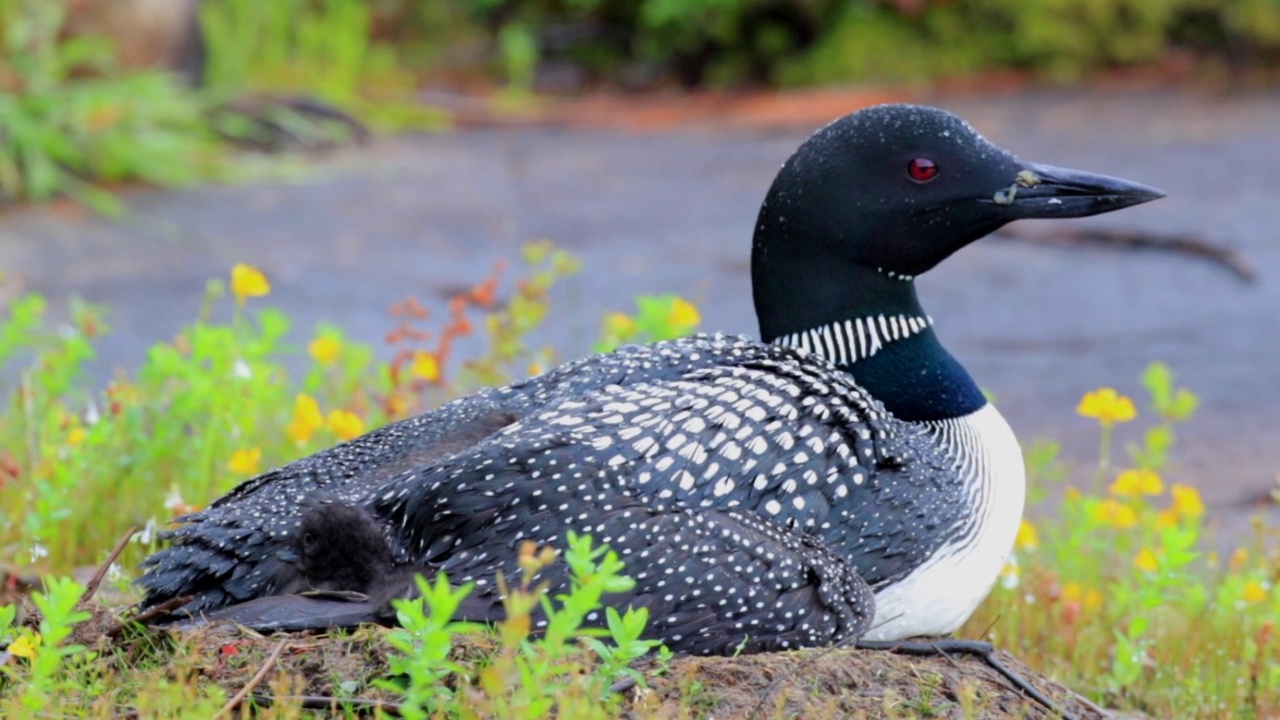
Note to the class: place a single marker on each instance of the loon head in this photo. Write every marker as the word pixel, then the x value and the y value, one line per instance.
pixel 892 191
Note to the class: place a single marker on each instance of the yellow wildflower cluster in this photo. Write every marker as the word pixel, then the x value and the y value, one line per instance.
pixel 1135 483
pixel 1107 406
pixel 1114 513
pixel 1130 486
pixel 308 418
pixel 1086 597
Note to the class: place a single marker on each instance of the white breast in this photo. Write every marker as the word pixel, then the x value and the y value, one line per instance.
pixel 937 597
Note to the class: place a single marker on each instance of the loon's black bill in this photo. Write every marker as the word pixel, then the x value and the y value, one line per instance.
pixel 1044 191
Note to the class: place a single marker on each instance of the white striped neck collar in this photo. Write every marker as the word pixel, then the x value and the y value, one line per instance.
pixel 847 341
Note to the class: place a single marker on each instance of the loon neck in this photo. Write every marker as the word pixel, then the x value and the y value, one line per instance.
pixel 884 339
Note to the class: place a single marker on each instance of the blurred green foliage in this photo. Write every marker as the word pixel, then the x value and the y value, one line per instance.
pixel 717 42
pixel 67 116
pixel 323 49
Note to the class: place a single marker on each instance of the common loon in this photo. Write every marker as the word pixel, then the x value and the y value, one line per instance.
pixel 842 477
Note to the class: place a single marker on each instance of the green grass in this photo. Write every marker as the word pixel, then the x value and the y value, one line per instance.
pixel 1114 591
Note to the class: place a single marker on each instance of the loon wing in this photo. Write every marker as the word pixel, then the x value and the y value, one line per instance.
pixel 237 549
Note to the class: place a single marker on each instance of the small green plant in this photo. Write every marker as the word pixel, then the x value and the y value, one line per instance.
pixel 563 669
pixel 44 651
pixel 424 642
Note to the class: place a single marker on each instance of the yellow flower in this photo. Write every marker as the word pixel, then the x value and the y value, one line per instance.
pixel 325 350
pixel 1028 538
pixel 25 646
pixel 1010 574
pixel 307 418
pixel 1133 483
pixel 248 281
pixel 1186 500
pixel 1146 561
pixel 345 424
pixel 1088 598
pixel 620 324
pixel 1114 513
pixel 683 314
pixel 76 436
pixel 1254 592
pixel 245 461
pixel 425 366
pixel 1238 559
pixel 1107 407
pixel 1166 519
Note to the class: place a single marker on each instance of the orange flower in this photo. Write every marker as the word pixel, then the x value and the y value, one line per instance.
pixel 325 350
pixel 1114 513
pixel 307 418
pixel 345 424
pixel 1134 483
pixel 245 461
pixel 425 366
pixel 1107 407
pixel 397 405
pixel 1238 559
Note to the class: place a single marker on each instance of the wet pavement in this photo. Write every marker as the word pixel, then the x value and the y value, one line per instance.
pixel 673 211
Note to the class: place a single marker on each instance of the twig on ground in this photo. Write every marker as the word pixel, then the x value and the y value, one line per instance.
pixel 324 702
pixel 1229 258
pixel 267 664
pixel 91 588
pixel 622 685
pixel 150 613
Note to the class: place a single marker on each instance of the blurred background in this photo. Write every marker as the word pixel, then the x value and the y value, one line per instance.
pixel 359 151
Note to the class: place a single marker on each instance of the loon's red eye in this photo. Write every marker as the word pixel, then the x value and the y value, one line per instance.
pixel 922 169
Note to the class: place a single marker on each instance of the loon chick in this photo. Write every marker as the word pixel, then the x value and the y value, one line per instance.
pixel 759 490
pixel 339 548
pixel 344 576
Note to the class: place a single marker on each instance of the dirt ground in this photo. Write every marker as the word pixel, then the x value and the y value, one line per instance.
pixel 830 683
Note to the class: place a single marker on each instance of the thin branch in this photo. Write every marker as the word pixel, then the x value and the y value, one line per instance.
pixel 234 702
pixel 1228 258
pixel 91 588
pixel 324 702
pixel 150 613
